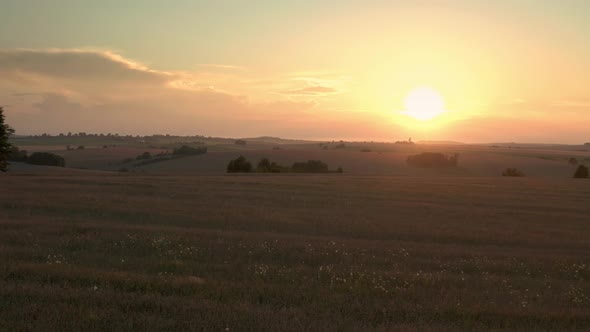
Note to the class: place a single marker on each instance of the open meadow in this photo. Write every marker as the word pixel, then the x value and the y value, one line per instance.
pixel 86 250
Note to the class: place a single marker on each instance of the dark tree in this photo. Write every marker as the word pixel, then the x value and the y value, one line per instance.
pixel 581 172
pixel 433 160
pixel 239 165
pixel 47 159
pixel 573 161
pixel 5 146
pixel 144 156
pixel 311 166
pixel 186 150
pixel 264 166
pixel 17 154
pixel 240 142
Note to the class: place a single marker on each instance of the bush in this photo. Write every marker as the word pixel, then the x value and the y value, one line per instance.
pixel 16 154
pixel 47 159
pixel 573 161
pixel 186 150
pixel 240 142
pixel 81 147
pixel 512 172
pixel 433 160
pixel 311 166
pixel 264 166
pixel 144 156
pixel 581 172
pixel 239 165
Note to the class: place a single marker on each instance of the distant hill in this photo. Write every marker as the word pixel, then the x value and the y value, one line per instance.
pixel 441 142
pixel 277 140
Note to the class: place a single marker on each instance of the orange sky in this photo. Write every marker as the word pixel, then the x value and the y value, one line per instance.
pixel 507 71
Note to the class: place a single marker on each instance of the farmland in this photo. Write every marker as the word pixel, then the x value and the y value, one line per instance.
pixel 86 250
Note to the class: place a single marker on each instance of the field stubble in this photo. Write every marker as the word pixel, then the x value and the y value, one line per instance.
pixel 324 252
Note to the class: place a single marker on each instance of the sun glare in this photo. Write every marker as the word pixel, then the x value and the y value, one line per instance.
pixel 424 104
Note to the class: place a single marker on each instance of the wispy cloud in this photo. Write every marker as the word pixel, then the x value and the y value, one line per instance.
pixel 97 90
pixel 311 90
pixel 221 66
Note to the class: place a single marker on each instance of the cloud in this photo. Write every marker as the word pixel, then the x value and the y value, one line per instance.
pixel 61 90
pixel 78 64
pixel 311 90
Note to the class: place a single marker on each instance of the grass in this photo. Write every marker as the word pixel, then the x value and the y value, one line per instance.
pixel 294 252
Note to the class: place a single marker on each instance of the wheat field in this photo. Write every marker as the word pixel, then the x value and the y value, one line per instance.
pixel 290 252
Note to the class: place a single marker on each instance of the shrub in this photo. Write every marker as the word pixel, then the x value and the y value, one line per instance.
pixel 433 160
pixel 512 172
pixel 239 165
pixel 573 161
pixel 17 154
pixel 264 166
pixel 581 172
pixel 311 166
pixel 186 150
pixel 81 147
pixel 47 159
pixel 240 142
pixel 144 156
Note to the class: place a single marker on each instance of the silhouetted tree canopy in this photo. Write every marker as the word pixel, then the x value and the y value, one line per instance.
pixel 239 165
pixel 46 158
pixel 433 160
pixel 144 156
pixel 264 166
pixel 311 166
pixel 5 146
pixel 186 150
pixel 581 172
pixel 240 142
pixel 17 154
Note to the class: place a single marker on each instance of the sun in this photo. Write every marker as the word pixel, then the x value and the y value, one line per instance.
pixel 424 104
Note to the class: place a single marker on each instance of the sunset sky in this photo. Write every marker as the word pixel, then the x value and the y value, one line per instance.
pixel 498 71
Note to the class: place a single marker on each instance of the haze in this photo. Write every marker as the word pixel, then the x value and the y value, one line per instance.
pixel 507 70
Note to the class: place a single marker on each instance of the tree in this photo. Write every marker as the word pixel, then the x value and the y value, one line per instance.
pixel 5 146
pixel 433 160
pixel 311 166
pixel 17 154
pixel 581 172
pixel 46 158
pixel 573 161
pixel 264 166
pixel 239 165
pixel 144 156
pixel 187 151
